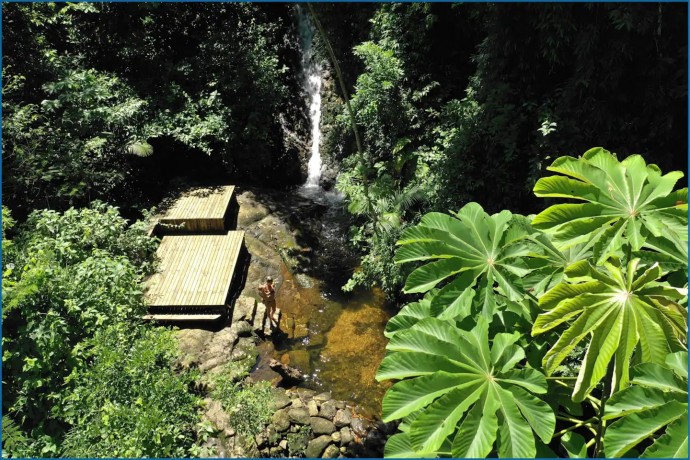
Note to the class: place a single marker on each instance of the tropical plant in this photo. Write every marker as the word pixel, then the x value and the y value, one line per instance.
pixel 620 309
pixel 614 282
pixel 657 399
pixel 626 202
pixel 462 396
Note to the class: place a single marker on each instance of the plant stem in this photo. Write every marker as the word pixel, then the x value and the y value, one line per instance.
pixel 602 423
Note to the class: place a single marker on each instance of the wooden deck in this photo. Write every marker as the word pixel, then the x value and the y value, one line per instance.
pixel 195 272
pixel 202 209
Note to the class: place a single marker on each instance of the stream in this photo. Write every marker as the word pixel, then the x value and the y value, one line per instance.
pixel 335 338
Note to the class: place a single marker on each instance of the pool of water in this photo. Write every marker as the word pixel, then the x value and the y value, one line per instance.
pixel 335 338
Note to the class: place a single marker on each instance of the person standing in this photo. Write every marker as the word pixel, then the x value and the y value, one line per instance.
pixel 268 296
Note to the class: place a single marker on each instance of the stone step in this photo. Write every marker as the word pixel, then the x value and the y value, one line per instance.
pixel 268 328
pixel 163 317
pixel 259 318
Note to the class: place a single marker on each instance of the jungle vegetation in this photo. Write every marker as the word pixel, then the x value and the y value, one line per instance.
pixel 542 282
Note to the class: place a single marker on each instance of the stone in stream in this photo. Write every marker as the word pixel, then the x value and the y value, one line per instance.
pixel 321 425
pixel 336 437
pixel 281 420
pixel 331 451
pixel 342 418
pixel 316 446
pixel 299 415
pixel 313 408
pixel 328 410
pixel 360 426
pixel 300 359
pixel 291 376
pixel 345 436
pixel 322 397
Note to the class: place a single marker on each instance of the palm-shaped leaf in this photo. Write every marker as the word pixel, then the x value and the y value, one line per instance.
pixel 463 391
pixel 469 245
pixel 621 311
pixel 624 201
pixel 140 149
pixel 656 400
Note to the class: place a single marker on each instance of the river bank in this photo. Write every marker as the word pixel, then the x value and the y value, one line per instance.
pixel 335 340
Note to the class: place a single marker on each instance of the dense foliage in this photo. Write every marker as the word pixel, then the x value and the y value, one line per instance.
pixel 88 89
pixel 506 304
pixel 470 102
pixel 81 375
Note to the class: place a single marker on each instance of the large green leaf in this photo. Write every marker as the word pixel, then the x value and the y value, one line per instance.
pixel 478 398
pixel 657 400
pixel 461 248
pixel 624 201
pixel 620 311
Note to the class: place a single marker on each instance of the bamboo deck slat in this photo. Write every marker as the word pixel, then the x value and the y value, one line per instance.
pixel 200 209
pixel 195 270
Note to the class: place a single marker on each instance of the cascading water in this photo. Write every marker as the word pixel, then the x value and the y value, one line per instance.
pixel 311 69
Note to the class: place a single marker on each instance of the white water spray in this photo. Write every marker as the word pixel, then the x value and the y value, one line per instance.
pixel 312 85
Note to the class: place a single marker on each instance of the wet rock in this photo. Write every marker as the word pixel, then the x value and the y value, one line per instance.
pixel 323 397
pixel 359 426
pixel 342 418
pixel 331 452
pixel 300 331
pixel 321 425
pixel 313 408
pixel 305 393
pixel 281 420
pixel 300 359
pixel 291 376
pixel 316 446
pixel 299 415
pixel 328 410
pixel 346 436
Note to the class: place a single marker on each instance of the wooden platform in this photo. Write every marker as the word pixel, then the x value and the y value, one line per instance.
pixel 195 272
pixel 202 209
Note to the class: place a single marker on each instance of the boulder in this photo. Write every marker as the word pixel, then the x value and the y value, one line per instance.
pixel 331 452
pixel 313 408
pixel 346 436
pixel 321 425
pixel 359 426
pixel 316 446
pixel 328 410
pixel 280 400
pixel 323 397
pixel 281 420
pixel 291 375
pixel 299 415
pixel 342 418
pixel 243 309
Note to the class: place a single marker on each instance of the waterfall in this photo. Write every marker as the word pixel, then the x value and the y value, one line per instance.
pixel 311 69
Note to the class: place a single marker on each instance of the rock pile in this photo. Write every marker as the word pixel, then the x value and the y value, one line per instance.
pixel 304 424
